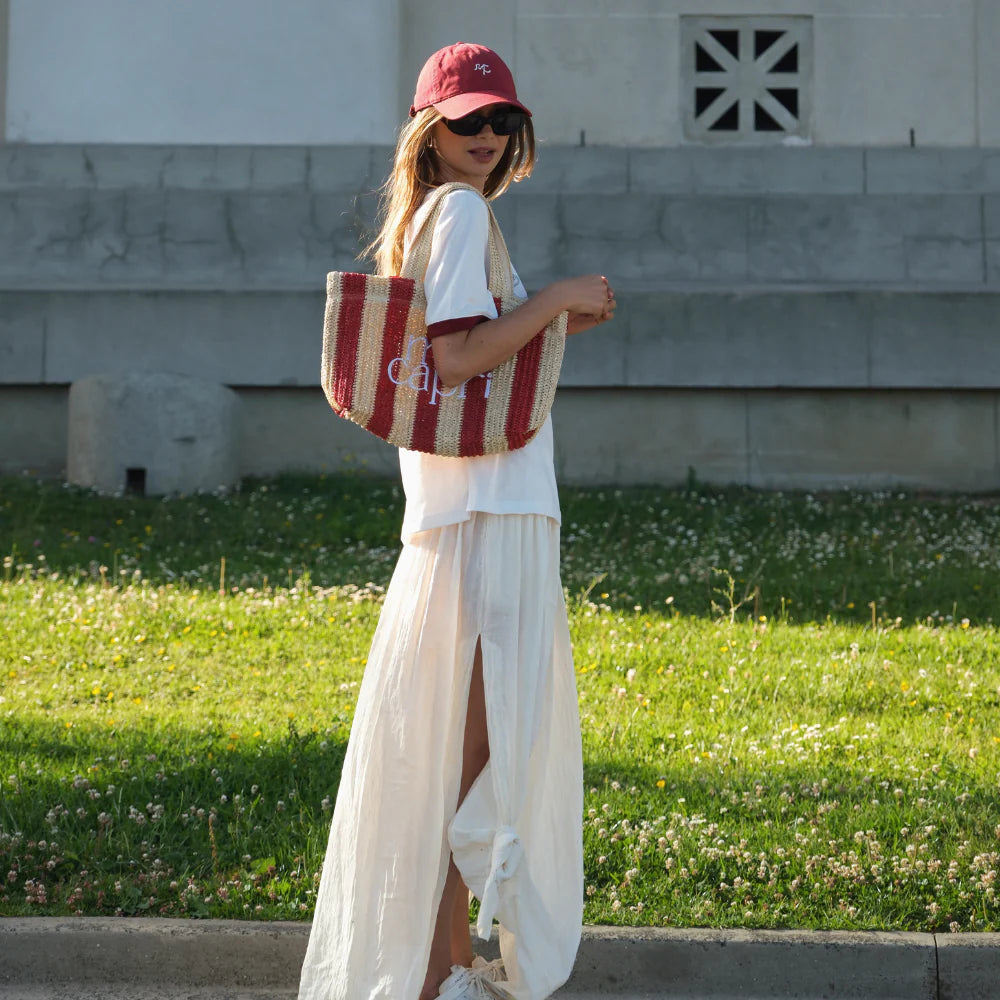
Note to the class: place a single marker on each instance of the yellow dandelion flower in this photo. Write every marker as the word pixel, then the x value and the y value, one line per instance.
pixel 661 784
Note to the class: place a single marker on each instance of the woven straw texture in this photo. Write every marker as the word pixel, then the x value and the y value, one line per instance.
pixel 378 368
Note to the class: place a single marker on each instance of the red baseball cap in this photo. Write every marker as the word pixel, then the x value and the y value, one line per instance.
pixel 462 78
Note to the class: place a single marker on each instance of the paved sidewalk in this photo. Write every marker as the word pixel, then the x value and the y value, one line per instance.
pixel 45 958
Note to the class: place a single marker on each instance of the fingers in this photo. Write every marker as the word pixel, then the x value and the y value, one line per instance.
pixel 610 304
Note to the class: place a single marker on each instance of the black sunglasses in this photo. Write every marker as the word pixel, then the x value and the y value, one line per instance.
pixel 505 122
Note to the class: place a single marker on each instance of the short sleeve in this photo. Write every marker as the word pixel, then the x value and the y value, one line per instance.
pixel 455 282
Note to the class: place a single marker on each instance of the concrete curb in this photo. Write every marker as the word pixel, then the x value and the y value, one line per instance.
pixel 149 957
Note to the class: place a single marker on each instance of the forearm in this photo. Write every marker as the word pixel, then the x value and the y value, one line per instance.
pixel 462 355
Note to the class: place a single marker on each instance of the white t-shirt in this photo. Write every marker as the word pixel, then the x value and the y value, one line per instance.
pixel 441 490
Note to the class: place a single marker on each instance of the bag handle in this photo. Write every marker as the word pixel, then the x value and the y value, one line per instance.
pixel 501 277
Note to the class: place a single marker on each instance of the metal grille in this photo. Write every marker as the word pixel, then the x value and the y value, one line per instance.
pixel 747 79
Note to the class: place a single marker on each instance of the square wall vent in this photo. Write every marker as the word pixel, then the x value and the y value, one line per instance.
pixel 746 80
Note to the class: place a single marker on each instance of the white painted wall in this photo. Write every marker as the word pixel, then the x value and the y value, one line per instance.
pixel 342 71
pixel 882 67
pixel 203 71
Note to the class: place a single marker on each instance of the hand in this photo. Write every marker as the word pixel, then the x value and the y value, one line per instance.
pixel 590 295
pixel 581 321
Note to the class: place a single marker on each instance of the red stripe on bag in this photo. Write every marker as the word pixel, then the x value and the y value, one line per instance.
pixel 425 416
pixel 393 346
pixel 522 396
pixel 470 437
pixel 348 322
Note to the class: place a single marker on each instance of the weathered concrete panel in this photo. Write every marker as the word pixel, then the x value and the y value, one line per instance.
pixel 932 171
pixel 237 339
pixel 639 240
pixel 600 356
pixel 25 165
pixel 54 236
pixel 825 440
pixel 866 240
pixel 988 68
pixel 596 439
pixel 748 340
pixel 22 340
pixel 348 169
pixel 205 167
pixel 143 238
pixel 991 252
pixel 879 75
pixel 935 341
pixel 599 170
pixel 753 171
pixel 295 429
pixel 570 76
pixel 33 426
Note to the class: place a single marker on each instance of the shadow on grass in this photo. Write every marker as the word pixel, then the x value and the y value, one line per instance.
pixel 189 823
pixel 798 556
pixel 203 806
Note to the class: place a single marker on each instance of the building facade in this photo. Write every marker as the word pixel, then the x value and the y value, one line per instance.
pixel 798 202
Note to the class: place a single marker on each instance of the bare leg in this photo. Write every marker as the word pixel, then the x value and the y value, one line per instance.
pixel 451 943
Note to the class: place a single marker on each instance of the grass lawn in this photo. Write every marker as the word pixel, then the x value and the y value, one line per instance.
pixel 789 702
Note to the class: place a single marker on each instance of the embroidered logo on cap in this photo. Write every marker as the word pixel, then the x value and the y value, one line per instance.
pixel 483 68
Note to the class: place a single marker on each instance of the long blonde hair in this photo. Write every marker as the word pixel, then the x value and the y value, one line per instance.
pixel 416 169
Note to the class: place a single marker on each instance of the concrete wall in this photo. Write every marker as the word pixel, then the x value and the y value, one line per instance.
pixel 771 439
pixel 4 32
pixel 788 317
pixel 335 71
pixel 229 71
pixel 241 218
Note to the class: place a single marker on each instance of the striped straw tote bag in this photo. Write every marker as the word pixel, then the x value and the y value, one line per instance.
pixel 378 368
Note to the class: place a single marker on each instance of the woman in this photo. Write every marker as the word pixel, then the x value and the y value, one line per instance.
pixel 463 770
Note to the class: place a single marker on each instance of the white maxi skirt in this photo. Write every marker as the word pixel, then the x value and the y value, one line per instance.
pixel 517 839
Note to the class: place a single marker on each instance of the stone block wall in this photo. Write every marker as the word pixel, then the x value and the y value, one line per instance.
pixel 789 316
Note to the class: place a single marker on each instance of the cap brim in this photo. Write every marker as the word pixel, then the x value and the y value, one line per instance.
pixel 464 104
